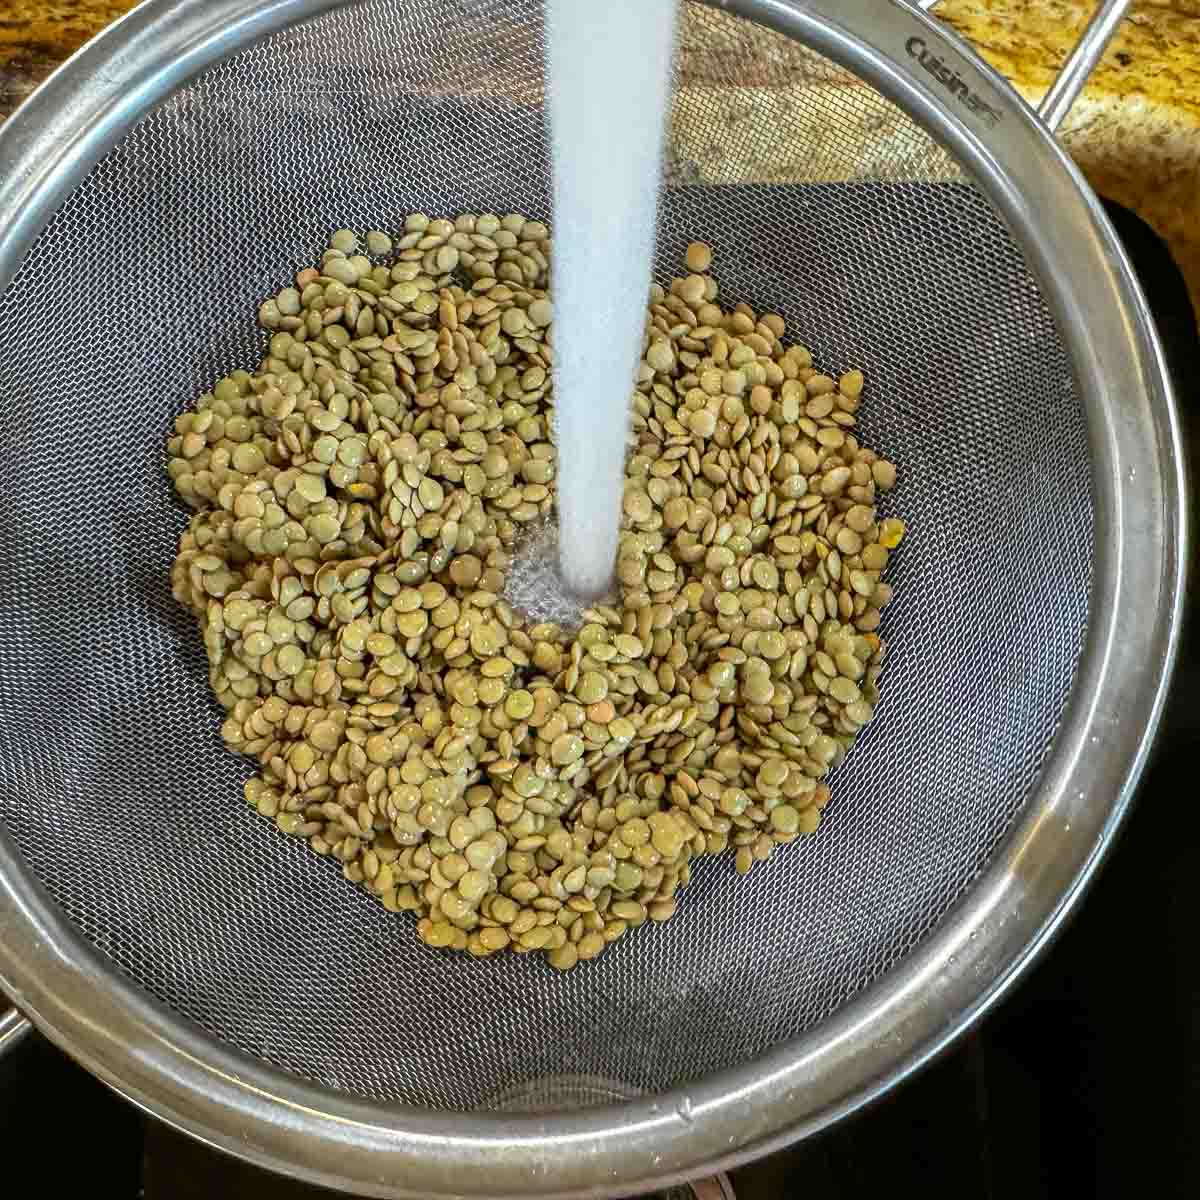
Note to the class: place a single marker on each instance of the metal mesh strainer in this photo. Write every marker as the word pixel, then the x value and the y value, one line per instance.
pixel 1014 376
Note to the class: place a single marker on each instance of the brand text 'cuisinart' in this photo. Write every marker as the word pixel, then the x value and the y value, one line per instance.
pixel 949 78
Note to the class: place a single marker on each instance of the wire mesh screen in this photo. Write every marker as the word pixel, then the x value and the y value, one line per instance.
pixel 824 203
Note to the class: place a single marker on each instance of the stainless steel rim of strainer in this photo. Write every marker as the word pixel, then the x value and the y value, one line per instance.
pixel 174 1071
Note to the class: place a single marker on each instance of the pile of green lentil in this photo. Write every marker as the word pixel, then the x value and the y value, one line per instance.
pixel 359 498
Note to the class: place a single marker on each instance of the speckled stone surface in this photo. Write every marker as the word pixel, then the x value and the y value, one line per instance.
pixel 1136 129
pixel 1135 132
pixel 36 35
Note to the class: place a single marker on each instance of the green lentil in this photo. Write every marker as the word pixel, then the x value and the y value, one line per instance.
pixel 358 501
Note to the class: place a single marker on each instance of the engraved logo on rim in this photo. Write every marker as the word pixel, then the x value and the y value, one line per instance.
pixel 950 79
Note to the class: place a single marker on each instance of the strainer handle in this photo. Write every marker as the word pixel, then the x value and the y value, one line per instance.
pixel 1079 64
pixel 1082 61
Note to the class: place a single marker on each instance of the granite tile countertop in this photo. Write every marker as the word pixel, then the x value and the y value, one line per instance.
pixel 1135 131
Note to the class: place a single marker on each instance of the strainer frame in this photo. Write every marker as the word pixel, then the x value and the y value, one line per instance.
pixel 171 1069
